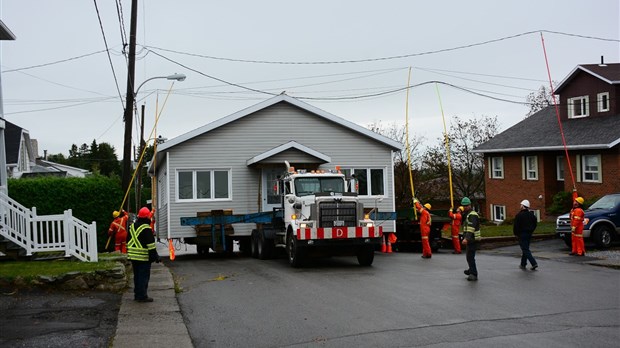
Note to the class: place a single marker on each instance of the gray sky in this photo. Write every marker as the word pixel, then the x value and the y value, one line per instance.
pixel 76 101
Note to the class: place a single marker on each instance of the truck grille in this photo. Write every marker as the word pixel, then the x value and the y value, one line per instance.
pixel 563 225
pixel 337 214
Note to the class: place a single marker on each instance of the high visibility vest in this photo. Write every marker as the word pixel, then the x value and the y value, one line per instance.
pixel 467 227
pixel 135 250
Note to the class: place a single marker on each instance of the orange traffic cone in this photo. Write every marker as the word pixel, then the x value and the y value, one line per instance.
pixel 389 246
pixel 383 247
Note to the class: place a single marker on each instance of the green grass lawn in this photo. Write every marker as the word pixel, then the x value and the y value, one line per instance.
pixel 505 230
pixel 9 270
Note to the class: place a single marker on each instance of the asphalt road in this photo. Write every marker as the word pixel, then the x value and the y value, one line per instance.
pixel 401 301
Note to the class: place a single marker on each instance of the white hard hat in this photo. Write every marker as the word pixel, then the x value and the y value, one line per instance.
pixel 525 203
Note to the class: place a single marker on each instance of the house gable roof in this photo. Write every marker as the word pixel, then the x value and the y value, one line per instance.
pixel 284 147
pixel 272 101
pixel 609 73
pixel 12 140
pixel 541 132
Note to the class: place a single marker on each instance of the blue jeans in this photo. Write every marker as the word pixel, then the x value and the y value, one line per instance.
pixel 526 254
pixel 141 276
pixel 470 255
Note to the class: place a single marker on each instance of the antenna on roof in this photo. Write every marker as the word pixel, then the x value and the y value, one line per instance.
pixel 602 61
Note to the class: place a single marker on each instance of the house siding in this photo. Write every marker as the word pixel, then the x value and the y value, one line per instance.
pixel 585 84
pixel 231 145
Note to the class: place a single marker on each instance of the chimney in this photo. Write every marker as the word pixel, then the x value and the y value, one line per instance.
pixel 45 155
pixel 602 61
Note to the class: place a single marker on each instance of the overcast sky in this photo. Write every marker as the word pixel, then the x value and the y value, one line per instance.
pixel 77 101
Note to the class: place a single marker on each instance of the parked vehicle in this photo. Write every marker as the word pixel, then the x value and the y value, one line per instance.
pixel 601 223
pixel 318 215
pixel 408 230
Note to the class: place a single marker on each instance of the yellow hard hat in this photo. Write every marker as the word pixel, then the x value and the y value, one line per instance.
pixel 461 208
pixel 115 214
pixel 579 200
pixel 427 206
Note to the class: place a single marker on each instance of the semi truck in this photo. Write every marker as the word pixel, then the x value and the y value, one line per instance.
pixel 320 215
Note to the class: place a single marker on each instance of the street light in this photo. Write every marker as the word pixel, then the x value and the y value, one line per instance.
pixel 126 180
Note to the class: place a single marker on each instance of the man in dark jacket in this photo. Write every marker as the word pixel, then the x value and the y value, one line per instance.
pixel 524 226
pixel 142 252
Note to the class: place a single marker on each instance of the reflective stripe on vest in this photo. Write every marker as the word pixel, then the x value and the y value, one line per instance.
pixel 135 250
pixel 468 228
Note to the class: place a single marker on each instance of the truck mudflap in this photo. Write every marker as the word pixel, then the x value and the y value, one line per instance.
pixel 339 233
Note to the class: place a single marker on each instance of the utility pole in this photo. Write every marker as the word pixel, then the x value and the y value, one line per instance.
pixel 139 169
pixel 128 117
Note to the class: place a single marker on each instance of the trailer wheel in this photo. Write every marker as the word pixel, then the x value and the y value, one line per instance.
pixel 365 255
pixel 253 244
pixel 295 253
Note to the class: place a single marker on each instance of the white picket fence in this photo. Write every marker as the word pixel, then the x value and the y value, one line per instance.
pixel 47 233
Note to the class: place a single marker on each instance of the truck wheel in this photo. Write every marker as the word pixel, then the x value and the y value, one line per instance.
pixel 245 246
pixel 264 247
pixel 602 236
pixel 254 244
pixel 203 250
pixel 365 255
pixel 295 253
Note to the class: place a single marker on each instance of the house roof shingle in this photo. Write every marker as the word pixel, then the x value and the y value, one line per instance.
pixel 541 132
pixel 609 73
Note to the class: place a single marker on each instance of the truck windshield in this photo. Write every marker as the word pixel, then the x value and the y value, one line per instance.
pixel 606 202
pixel 310 186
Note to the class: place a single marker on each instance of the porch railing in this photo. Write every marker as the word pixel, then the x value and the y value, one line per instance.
pixel 47 233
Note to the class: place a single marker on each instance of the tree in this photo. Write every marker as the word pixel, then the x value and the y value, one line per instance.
pixel 539 100
pixel 467 167
pixel 97 158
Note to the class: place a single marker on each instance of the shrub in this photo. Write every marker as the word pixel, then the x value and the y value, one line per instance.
pixel 562 202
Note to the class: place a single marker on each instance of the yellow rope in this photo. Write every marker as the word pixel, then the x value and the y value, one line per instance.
pixel 144 150
pixel 447 144
pixel 407 144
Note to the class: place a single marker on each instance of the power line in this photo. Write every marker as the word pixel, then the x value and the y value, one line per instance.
pixel 121 22
pixel 381 58
pixel 107 49
pixel 52 63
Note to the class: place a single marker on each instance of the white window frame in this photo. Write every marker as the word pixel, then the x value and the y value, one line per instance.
pixel 349 170
pixel 585 106
pixel 560 169
pixel 585 171
pixel 212 183
pixel 496 173
pixel 530 173
pixel 494 211
pixel 600 99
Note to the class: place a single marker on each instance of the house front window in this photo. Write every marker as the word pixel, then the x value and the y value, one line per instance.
pixel 370 181
pixel 578 107
pixel 591 168
pixel 497 167
pixel 498 212
pixel 559 166
pixel 531 167
pixel 602 102
pixel 203 184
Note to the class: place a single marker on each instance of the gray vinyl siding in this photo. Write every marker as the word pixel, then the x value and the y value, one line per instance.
pixel 161 204
pixel 230 146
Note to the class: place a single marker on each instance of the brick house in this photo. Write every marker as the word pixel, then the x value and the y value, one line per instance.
pixel 528 160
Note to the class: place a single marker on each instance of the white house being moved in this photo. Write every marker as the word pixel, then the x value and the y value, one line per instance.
pixel 232 163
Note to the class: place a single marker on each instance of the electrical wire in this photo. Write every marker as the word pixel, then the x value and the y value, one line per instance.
pixel 54 62
pixel 381 58
pixel 121 23
pixel 120 95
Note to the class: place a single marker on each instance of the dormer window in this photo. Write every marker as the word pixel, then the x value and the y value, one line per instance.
pixel 578 107
pixel 602 101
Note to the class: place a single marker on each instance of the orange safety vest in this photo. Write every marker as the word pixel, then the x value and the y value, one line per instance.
pixel 576 221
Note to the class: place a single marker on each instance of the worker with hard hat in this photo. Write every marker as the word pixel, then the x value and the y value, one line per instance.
pixel 425 228
pixel 523 228
pixel 471 237
pixel 457 218
pixel 577 216
pixel 118 231
pixel 142 252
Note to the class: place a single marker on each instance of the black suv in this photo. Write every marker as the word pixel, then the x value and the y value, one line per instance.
pixel 601 223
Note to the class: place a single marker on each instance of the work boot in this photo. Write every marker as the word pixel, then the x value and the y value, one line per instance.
pixel 522 266
pixel 472 277
pixel 572 253
pixel 534 267
pixel 426 256
pixel 456 252
pixel 147 299
pixel 466 272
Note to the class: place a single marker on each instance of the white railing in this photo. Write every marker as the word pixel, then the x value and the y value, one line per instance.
pixel 47 233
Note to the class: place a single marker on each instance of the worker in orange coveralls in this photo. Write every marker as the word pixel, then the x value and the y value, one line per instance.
pixel 576 226
pixel 152 217
pixel 118 231
pixel 457 218
pixel 425 228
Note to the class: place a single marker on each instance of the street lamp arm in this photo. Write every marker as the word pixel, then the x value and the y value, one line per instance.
pixel 177 77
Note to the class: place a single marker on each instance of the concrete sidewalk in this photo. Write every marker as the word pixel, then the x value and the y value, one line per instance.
pixel 152 324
